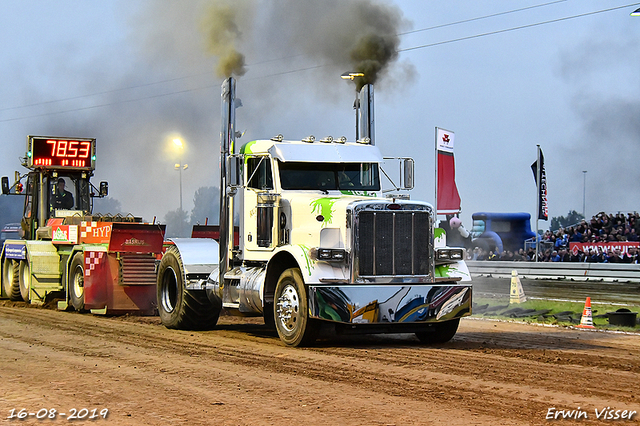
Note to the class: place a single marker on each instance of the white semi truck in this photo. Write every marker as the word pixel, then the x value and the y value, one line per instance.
pixel 318 244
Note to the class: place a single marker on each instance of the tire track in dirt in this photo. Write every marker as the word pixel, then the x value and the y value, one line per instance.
pixel 483 382
pixel 188 383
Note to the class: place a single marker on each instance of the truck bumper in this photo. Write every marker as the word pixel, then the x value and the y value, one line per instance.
pixel 388 304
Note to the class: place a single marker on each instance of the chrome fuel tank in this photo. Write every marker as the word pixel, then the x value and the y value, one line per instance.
pixel 242 290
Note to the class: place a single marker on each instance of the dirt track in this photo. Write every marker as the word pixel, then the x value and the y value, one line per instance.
pixel 240 374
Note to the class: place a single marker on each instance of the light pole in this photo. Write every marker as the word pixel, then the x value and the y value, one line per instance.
pixel 180 166
pixel 584 192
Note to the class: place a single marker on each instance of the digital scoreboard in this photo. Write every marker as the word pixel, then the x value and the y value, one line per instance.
pixel 61 153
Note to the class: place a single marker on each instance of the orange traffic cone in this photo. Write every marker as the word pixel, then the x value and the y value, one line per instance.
pixel 587 320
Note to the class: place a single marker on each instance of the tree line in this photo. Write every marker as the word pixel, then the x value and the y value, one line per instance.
pixel 179 223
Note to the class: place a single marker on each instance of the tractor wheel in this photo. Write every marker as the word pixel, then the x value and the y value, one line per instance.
pixel 11 280
pixel 440 332
pixel 178 307
pixel 291 312
pixel 76 282
pixel 25 280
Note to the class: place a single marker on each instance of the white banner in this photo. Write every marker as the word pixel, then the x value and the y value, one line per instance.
pixel 445 140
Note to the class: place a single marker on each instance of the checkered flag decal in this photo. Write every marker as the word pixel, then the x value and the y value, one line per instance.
pixel 86 228
pixel 91 260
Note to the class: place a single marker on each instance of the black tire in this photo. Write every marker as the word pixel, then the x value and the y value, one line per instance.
pixel 24 274
pixel 291 310
pixel 439 333
pixel 179 308
pixel 11 279
pixel 76 282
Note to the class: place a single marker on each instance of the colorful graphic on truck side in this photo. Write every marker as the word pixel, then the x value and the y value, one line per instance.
pixel 324 207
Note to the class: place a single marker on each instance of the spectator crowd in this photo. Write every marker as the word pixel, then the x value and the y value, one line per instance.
pixel 554 246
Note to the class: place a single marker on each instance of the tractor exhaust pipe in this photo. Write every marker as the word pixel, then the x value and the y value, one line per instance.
pixel 227 142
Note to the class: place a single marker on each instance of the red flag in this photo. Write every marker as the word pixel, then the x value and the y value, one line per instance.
pixel 448 199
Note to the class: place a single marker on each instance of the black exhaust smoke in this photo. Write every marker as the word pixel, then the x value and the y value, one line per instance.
pixel 354 36
pixel 222 34
pixel 371 55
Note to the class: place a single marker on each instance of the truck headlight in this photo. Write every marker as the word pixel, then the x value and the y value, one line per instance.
pixel 447 254
pixel 329 255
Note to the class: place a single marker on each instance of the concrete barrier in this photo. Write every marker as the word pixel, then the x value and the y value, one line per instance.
pixel 605 272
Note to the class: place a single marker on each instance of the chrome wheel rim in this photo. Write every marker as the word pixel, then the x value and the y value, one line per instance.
pixel 288 308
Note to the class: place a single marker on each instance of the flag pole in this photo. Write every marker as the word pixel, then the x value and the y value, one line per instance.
pixel 538 186
pixel 435 203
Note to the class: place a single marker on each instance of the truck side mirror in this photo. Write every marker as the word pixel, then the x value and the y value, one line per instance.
pixel 5 185
pixel 408 166
pixel 104 189
pixel 235 171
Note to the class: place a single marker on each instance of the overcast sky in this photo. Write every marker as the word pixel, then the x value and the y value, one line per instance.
pixel 135 73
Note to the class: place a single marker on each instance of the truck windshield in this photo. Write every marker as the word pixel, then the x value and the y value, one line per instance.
pixel 329 176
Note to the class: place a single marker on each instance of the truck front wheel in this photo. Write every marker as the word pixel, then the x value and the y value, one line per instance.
pixel 441 332
pixel 291 311
pixel 178 307
pixel 76 282
pixel 11 280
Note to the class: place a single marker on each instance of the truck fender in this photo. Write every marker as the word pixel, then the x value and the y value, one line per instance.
pixel 199 255
pixel 312 270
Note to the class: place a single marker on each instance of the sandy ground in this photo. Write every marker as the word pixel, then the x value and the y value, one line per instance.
pixel 491 373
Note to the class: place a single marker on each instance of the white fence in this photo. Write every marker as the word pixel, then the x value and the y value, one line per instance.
pixel 607 272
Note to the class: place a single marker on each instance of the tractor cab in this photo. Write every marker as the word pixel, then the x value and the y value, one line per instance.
pixel 58 182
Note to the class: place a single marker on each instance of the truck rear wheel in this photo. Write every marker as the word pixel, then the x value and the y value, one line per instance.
pixel 25 280
pixel 291 310
pixel 440 333
pixel 178 307
pixel 11 280
pixel 76 282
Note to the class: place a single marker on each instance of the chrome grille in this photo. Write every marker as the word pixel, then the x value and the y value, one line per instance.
pixel 393 242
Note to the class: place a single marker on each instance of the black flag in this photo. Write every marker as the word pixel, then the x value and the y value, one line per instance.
pixel 543 210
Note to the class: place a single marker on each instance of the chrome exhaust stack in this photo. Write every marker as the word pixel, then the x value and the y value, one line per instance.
pixel 365 114
pixel 227 142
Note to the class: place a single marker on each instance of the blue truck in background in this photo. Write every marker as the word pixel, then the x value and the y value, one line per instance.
pixel 501 231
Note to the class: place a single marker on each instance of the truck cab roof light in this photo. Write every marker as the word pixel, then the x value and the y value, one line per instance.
pixel 278 138
pixel 309 139
pixel 364 141
pixel 343 139
pixel 328 139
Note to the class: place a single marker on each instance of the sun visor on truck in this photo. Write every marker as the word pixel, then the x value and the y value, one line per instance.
pixel 325 153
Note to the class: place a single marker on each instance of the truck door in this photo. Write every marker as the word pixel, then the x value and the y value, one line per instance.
pixel 260 204
pixel 29 222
